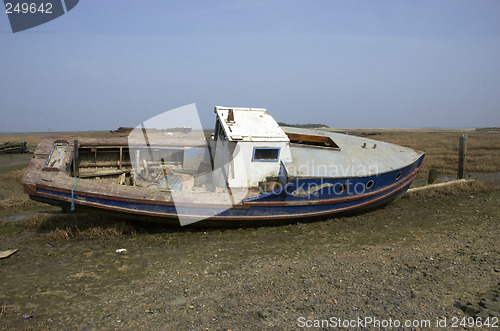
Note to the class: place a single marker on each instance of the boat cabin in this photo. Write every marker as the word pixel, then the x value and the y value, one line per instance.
pixel 250 147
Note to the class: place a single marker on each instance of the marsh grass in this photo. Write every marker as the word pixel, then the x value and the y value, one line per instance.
pixel 79 226
pixel 10 186
pixel 18 203
pixel 9 228
pixel 10 169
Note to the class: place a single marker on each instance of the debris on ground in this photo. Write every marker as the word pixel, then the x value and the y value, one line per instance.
pixel 7 253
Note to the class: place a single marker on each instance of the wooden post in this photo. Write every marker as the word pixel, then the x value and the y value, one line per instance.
pixel 433 173
pixel 121 157
pixel 76 160
pixel 462 150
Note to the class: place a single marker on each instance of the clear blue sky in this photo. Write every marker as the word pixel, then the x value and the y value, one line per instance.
pixel 110 63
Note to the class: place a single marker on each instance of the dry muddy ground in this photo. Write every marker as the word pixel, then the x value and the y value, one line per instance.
pixel 419 260
pixel 428 260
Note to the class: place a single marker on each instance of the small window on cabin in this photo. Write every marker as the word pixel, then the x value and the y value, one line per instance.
pixel 266 154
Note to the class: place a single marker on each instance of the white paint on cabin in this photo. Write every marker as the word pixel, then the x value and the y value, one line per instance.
pixel 250 124
pixel 238 135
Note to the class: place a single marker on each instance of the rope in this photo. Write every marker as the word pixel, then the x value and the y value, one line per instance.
pixel 72 195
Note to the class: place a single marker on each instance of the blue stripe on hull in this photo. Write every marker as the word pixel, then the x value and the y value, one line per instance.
pixel 302 189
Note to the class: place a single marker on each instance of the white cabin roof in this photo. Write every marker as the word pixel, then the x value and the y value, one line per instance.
pixel 249 124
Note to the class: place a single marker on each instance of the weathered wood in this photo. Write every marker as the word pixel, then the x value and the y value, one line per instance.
pixel 433 173
pixel 433 186
pixel 76 159
pixel 103 173
pixel 10 147
pixel 462 151
pixel 121 157
pixel 311 140
pixel 103 164
pixel 230 116
pixel 7 253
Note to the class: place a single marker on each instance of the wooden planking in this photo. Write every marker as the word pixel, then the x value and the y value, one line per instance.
pixel 103 173
pixel 312 140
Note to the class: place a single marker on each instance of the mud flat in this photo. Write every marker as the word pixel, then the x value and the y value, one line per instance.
pixel 9 162
pixel 421 258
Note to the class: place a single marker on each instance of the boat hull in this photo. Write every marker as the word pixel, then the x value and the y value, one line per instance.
pixel 299 198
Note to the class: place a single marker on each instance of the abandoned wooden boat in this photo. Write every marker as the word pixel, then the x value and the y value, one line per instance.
pixel 251 169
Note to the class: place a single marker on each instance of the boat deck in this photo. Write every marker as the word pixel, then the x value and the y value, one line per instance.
pixel 354 157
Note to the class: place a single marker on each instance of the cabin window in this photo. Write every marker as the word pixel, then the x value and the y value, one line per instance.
pixel 267 154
